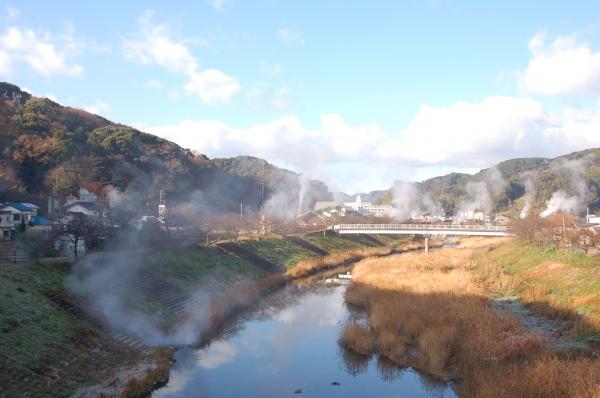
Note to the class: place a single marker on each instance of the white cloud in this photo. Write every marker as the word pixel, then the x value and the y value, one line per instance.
pixel 154 84
pixel 463 136
pixel 41 51
pixel 5 63
pixel 264 95
pixel 212 85
pixel 271 70
pixel 290 37
pixel 98 108
pixel 13 12
pixel 218 5
pixel 471 132
pixel 153 44
pixel 565 66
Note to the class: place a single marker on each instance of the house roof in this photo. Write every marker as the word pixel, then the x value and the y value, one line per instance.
pixel 21 206
pixel 87 205
pixel 37 220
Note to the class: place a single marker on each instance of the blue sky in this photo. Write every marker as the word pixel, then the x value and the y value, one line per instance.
pixel 355 93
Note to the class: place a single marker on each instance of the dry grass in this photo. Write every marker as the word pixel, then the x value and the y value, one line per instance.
pixel 477 242
pixel 310 266
pixel 431 311
pixel 550 288
pixel 546 376
pixel 357 338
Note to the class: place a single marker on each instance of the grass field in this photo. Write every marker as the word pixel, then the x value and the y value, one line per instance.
pixel 279 251
pixel 45 349
pixel 199 266
pixel 336 244
pixel 555 283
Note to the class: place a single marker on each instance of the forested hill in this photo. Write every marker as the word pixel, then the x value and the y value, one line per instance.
pixel 48 148
pixel 570 182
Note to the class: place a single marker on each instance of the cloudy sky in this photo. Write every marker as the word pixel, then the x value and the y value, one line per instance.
pixel 355 93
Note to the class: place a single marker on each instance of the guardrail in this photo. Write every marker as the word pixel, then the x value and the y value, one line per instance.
pixel 421 227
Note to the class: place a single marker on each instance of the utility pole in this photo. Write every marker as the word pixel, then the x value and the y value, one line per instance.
pixel 241 215
pixel 587 215
pixel 262 184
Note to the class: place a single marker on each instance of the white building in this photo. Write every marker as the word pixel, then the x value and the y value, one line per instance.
pixel 89 209
pixel 593 219
pixel 364 208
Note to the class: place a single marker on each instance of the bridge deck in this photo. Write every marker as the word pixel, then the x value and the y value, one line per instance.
pixel 423 229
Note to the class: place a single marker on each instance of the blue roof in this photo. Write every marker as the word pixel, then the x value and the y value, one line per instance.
pixel 37 220
pixel 20 206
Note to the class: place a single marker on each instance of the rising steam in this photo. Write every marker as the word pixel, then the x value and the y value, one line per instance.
pixel 569 199
pixel 479 194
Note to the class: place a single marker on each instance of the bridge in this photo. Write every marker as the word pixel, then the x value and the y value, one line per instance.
pixel 426 230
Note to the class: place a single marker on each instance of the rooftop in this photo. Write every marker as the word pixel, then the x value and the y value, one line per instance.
pixel 87 205
pixel 37 220
pixel 21 206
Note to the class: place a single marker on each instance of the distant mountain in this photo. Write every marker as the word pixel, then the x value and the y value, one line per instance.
pixel 48 148
pixel 372 196
pixel 566 183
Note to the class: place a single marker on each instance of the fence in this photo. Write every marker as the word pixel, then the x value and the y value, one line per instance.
pixel 429 227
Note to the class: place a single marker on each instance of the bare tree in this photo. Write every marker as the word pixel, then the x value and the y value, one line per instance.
pixel 79 230
pixel 583 238
pixel 531 228
pixel 38 244
pixel 232 224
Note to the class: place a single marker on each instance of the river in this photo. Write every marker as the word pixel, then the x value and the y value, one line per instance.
pixel 288 348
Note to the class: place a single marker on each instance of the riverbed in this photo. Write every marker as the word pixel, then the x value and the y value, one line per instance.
pixel 288 347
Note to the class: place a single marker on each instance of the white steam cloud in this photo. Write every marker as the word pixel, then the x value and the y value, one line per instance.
pixel 572 200
pixel 529 196
pixel 479 194
pixel 409 202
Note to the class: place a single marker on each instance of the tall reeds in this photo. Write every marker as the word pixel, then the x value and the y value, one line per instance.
pixel 432 312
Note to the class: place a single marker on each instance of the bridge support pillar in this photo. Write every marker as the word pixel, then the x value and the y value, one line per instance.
pixel 426 243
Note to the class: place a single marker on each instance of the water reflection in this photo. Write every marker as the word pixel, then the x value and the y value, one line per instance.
pixel 354 364
pixel 287 345
pixel 387 370
pixel 217 354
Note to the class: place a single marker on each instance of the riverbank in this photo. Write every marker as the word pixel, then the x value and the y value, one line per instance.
pixel 234 301
pixel 47 350
pixel 432 312
pixel 46 345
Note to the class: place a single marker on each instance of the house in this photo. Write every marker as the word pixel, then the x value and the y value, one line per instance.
pixel 7 226
pixel 90 209
pixel 39 224
pixel 20 213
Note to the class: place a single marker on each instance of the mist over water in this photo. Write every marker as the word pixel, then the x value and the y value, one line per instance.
pixel 110 285
pixel 290 344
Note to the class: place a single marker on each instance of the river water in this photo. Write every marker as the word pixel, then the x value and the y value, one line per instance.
pixel 288 348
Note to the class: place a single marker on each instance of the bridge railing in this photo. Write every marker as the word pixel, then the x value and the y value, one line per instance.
pixel 421 227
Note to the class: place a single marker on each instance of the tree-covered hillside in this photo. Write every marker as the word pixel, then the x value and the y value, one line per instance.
pixel 47 148
pixel 567 183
